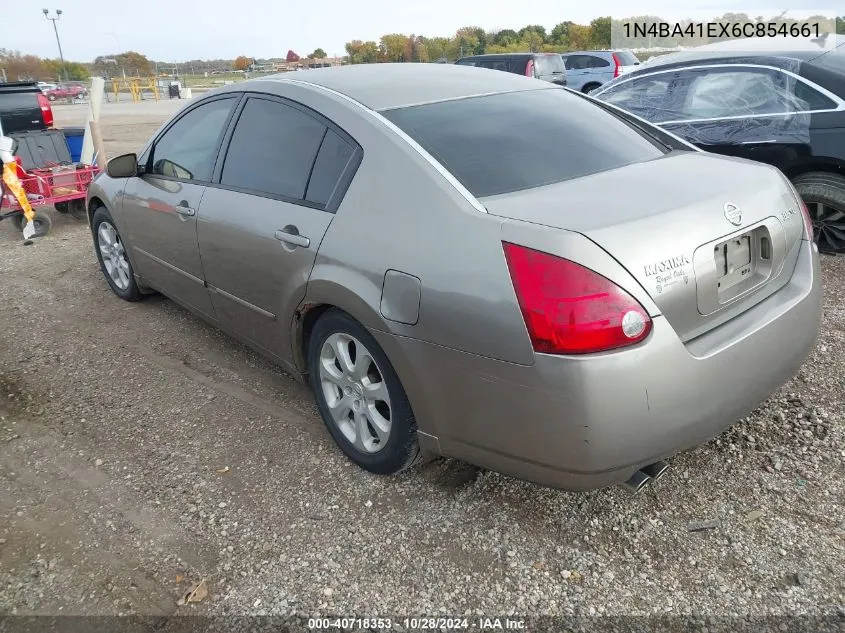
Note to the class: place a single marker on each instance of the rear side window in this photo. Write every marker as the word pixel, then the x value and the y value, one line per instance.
pixel 549 64
pixel 507 142
pixel 585 62
pixel 812 98
pixel 272 149
pixel 332 160
pixel 495 64
pixel 592 61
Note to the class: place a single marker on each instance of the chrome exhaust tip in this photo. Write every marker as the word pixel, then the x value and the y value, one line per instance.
pixel 636 482
pixel 655 470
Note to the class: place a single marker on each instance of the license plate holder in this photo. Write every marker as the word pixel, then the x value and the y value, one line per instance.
pixel 734 261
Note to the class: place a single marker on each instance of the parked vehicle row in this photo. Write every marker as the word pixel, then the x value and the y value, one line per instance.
pixel 472 263
pixel 545 66
pixel 579 70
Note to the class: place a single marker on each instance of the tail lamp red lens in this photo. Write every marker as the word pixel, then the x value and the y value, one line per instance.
pixel 46 110
pixel 808 220
pixel 570 309
pixel 618 65
pixel 529 68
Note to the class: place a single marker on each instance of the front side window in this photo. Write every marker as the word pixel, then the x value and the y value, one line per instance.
pixel 740 92
pixel 507 142
pixel 188 150
pixel 272 150
pixel 655 98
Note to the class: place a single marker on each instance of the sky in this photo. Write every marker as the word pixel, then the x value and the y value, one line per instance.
pixel 179 30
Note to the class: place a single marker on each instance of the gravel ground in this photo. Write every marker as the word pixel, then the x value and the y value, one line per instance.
pixel 142 451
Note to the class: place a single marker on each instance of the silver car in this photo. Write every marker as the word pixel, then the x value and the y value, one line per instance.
pixel 472 263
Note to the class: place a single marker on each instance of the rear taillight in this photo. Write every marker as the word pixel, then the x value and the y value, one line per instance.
pixel 529 68
pixel 808 220
pixel 618 65
pixel 569 309
pixel 46 110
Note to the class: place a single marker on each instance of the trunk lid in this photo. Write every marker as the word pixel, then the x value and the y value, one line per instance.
pixel 707 237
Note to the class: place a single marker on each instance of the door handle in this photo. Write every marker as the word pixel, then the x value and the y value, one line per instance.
pixel 290 235
pixel 184 209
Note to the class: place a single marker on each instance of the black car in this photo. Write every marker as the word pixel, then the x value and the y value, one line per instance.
pixel 545 66
pixel 786 109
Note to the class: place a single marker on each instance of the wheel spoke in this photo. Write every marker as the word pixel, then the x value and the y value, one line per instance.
pixel 103 239
pixel 343 355
pixel 375 391
pixel 363 438
pixel 380 424
pixel 363 362
pixel 329 370
pixel 340 409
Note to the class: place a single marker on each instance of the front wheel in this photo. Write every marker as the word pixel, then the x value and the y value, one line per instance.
pixel 824 195
pixel 111 254
pixel 360 397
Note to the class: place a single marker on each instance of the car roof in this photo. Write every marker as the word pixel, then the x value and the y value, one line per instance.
pixel 386 86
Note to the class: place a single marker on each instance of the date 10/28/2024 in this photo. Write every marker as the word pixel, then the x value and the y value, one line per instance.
pixel 420 624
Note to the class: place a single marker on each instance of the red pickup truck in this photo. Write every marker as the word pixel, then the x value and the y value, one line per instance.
pixel 65 91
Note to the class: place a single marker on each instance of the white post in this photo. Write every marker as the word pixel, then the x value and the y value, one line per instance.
pixel 95 100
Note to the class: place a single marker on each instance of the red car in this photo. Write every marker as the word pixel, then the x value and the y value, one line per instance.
pixel 66 91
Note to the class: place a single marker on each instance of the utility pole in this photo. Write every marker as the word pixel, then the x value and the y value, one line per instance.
pixel 56 29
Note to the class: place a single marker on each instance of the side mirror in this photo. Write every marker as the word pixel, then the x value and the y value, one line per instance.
pixel 125 166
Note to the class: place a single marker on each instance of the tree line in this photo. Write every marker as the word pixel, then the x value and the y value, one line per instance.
pixel 563 37
pixel 395 47
pixel 18 66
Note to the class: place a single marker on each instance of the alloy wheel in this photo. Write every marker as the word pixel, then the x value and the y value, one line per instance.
pixel 356 393
pixel 113 254
pixel 828 226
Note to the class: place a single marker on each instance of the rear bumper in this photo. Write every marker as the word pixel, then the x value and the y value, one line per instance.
pixel 582 423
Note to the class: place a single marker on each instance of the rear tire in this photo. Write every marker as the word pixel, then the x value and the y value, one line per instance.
pixel 824 195
pixel 359 396
pixel 588 88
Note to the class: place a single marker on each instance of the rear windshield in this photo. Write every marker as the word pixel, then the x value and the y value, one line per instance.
pixel 549 64
pixel 519 140
pixel 19 101
pixel 627 58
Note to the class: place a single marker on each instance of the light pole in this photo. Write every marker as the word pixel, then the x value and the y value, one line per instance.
pixel 117 41
pixel 56 29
